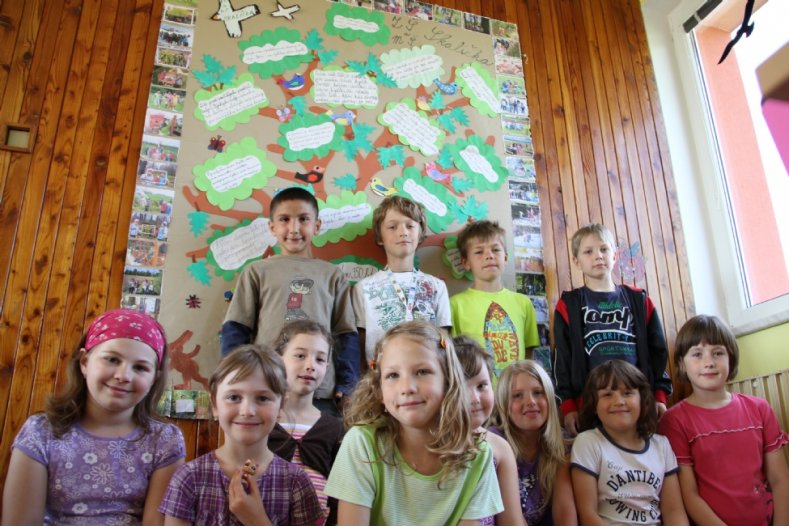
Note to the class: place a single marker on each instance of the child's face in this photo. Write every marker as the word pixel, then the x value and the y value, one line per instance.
pixel 528 403
pixel 119 373
pixel 706 366
pixel 595 257
pixel 618 408
pixel 306 357
pixel 399 235
pixel 481 396
pixel 294 224
pixel 485 258
pixel 412 383
pixel 247 409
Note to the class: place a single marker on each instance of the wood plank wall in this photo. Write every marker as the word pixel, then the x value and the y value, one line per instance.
pixel 78 71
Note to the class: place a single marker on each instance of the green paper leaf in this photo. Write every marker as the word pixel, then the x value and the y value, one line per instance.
pixel 445 120
pixel 299 104
pixel 313 40
pixel 198 222
pixel 327 56
pixel 226 77
pixel 461 184
pixel 358 67
pixel 473 208
pixel 349 150
pixel 445 157
pixel 437 101
pixel 385 80
pixel 212 64
pixel 460 116
pixel 345 182
pixel 199 272
pixel 205 78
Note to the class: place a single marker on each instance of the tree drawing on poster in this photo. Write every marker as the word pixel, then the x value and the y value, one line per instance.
pixel 350 103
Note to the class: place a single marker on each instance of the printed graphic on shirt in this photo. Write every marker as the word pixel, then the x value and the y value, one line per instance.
pixel 609 332
pixel 298 288
pixel 630 488
pixel 501 339
pixel 391 310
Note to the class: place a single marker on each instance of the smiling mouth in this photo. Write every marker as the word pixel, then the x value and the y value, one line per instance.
pixel 410 404
pixel 307 378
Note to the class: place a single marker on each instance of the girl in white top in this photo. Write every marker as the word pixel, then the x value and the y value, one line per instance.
pixel 411 455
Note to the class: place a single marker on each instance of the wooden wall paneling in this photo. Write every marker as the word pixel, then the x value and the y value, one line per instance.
pixel 60 207
pixel 19 215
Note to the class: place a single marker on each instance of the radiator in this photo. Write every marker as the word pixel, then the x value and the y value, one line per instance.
pixel 775 389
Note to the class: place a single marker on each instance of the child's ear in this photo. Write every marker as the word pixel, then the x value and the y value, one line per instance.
pixel 464 262
pixel 317 226
pixel 83 360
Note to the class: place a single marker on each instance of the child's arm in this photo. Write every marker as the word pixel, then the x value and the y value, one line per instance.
pixel 507 473
pixel 563 502
pixel 671 507
pixel 346 362
pixel 247 508
pixel 778 476
pixel 585 489
pixel 658 356
pixel 352 514
pixel 697 508
pixel 233 335
pixel 157 485
pixel 561 367
pixel 25 494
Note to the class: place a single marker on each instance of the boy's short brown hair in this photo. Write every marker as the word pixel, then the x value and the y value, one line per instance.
pixel 597 229
pixel 405 206
pixel 710 330
pixel 482 230
pixel 294 193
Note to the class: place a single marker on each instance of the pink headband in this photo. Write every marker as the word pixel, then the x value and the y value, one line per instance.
pixel 126 323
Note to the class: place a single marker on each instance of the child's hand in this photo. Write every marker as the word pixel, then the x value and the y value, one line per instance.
pixel 571 422
pixel 661 408
pixel 244 497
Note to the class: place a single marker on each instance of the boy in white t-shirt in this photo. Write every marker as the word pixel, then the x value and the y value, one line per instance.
pixel 400 292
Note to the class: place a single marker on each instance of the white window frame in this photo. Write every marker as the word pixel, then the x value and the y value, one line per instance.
pixel 717 276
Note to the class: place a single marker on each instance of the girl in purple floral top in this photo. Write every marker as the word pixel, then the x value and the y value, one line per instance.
pixel 97 456
pixel 243 482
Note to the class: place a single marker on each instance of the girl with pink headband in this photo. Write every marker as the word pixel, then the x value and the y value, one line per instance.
pixel 99 453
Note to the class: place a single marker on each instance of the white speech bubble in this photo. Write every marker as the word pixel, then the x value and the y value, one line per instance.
pixel 310 136
pixel 334 218
pixel 344 87
pixel 233 174
pixel 273 52
pixel 422 195
pixel 344 22
pixel 230 102
pixel 416 129
pixel 243 243
pixel 477 162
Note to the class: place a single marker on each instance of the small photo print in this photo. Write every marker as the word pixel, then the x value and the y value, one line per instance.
pixel 523 192
pixel 394 7
pixel 159 149
pixel 540 308
pixel 514 106
pixel 156 200
pixel 148 305
pixel 156 174
pixel 528 260
pixel 514 86
pixel 447 16
pixel 514 125
pixel 179 15
pixel 166 56
pixel 163 123
pixel 146 253
pixel 527 237
pixel 515 145
pixel 542 355
pixel 522 168
pixel 176 36
pixel 153 226
pixel 421 10
pixel 499 28
pixel 506 47
pixel 480 24
pixel 544 333
pixel 506 65
pixel 169 77
pixel 530 284
pixel 167 99
pixel 142 281
pixel 525 214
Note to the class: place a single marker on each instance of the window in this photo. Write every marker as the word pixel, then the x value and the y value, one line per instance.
pixel 740 156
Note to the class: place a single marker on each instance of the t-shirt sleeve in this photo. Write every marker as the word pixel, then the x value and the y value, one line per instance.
pixel 486 499
pixel 586 453
pixel 773 437
pixel 358 302
pixel 351 478
pixel 671 426
pixel 531 337
pixel 244 306
pixel 33 439
pixel 454 308
pixel 304 505
pixel 180 499
pixel 443 310
pixel 169 446
pixel 669 459
pixel 343 319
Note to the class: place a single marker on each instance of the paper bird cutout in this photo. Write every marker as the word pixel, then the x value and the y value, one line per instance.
pixel 285 12
pixel 233 17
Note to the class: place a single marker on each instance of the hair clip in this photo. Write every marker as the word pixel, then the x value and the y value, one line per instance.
pixel 442 342
pixel 372 365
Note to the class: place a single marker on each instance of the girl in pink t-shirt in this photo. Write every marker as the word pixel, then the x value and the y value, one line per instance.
pixel 728 445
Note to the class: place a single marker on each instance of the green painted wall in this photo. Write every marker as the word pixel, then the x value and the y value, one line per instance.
pixel 764 352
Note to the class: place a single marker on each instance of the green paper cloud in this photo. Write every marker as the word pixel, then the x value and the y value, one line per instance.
pixel 479 86
pixel 234 103
pixel 345 216
pixel 414 67
pixel 233 174
pixel 357 23
pixel 413 127
pixel 335 86
pixel 480 162
pixel 274 52
pixel 356 268
pixel 230 249
pixel 309 136
pixel 451 258
pixel 436 199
